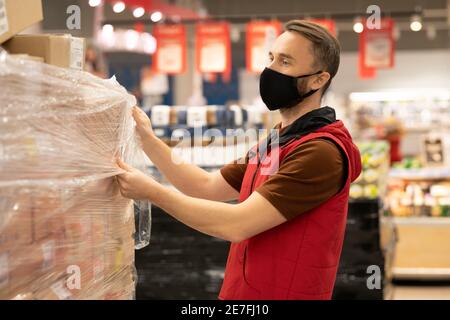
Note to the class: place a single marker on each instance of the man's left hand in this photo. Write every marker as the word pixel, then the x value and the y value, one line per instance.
pixel 134 184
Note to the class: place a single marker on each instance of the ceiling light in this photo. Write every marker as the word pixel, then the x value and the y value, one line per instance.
pixel 416 23
pixel 358 26
pixel 156 16
pixel 138 12
pixel 95 3
pixel 118 7
pixel 108 28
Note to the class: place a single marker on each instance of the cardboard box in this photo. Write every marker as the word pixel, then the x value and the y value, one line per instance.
pixel 16 229
pixel 25 268
pixel 56 291
pixel 16 16
pixel 58 50
pixel 27 57
pixel 48 216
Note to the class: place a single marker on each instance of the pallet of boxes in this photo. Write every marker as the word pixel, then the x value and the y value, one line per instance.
pixel 65 230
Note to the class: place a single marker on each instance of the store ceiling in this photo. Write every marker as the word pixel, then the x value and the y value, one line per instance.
pixel 239 11
pixel 435 14
pixel 271 7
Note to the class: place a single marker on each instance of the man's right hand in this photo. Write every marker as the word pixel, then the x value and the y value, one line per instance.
pixel 188 178
pixel 143 124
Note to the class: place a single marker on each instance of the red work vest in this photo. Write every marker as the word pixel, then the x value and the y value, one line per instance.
pixel 299 258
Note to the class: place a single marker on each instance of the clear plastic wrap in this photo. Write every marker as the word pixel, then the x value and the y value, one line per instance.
pixel 143 223
pixel 65 230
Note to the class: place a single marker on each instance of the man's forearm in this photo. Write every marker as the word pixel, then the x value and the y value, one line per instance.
pixel 186 177
pixel 214 218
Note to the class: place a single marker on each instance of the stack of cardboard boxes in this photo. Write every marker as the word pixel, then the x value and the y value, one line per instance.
pixel 60 50
pixel 16 16
pixel 65 230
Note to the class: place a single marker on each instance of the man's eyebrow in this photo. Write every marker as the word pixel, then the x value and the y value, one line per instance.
pixel 283 55
pixel 287 56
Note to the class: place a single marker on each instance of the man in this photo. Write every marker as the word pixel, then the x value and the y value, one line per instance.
pixel 288 227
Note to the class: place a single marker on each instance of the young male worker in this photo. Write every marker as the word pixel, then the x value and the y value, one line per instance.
pixel 288 227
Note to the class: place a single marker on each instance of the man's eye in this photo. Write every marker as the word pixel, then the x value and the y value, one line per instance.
pixel 285 62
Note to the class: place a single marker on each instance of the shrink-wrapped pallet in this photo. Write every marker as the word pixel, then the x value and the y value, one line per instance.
pixel 65 230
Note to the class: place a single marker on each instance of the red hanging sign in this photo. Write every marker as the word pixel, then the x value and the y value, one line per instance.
pixel 363 71
pixel 146 4
pixel 326 23
pixel 170 55
pixel 377 45
pixel 260 37
pixel 213 48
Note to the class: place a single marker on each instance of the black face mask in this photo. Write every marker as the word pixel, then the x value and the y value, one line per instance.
pixel 278 90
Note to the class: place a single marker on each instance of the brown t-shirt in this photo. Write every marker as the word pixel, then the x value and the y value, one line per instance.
pixel 308 176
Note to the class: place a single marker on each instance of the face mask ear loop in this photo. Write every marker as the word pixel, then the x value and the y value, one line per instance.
pixel 309 75
pixel 304 76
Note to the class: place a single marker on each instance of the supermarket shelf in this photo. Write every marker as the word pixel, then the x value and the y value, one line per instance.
pixel 430 173
pixel 421 273
pixel 365 200
pixel 421 220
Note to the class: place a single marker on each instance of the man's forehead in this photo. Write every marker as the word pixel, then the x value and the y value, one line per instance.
pixel 291 43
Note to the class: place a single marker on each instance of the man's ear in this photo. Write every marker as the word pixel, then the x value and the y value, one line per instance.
pixel 320 80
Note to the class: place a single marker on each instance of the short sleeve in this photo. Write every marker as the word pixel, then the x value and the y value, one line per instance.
pixel 233 173
pixel 308 176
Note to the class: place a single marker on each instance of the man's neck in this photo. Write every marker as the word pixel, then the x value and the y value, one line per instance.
pixel 289 115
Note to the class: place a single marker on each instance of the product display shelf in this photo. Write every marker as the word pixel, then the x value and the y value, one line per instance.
pixel 423 249
pixel 420 215
pixel 428 173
